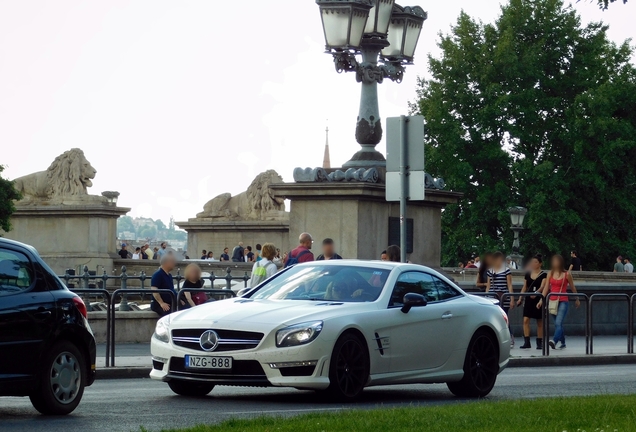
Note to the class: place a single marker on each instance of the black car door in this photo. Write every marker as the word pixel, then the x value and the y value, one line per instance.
pixel 27 315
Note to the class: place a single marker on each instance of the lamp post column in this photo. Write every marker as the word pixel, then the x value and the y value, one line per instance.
pixel 516 246
pixel 369 124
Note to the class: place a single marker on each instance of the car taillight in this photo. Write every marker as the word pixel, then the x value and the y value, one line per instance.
pixel 79 304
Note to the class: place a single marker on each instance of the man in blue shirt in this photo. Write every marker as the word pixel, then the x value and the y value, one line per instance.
pixel 162 279
pixel 224 255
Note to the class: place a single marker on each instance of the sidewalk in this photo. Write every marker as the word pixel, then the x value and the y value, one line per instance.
pixel 134 360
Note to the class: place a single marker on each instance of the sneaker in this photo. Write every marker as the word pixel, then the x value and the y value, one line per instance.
pixel 562 346
pixel 552 345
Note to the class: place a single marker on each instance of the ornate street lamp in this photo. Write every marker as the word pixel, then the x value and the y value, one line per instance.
pixel 111 197
pixel 376 30
pixel 517 215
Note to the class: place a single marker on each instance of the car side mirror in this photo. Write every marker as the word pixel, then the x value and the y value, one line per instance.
pixel 412 300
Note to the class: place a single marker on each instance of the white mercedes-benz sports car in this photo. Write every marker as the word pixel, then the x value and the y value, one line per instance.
pixel 337 326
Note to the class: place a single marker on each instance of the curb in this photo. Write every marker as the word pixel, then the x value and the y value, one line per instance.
pixel 123 373
pixel 587 360
pixel 138 372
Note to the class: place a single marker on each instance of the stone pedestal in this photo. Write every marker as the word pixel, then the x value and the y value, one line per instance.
pixel 214 235
pixel 356 215
pixel 68 236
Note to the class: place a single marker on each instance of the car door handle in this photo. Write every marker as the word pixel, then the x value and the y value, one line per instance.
pixel 43 314
pixel 447 315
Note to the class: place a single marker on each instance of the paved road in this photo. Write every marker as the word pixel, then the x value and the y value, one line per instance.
pixel 124 405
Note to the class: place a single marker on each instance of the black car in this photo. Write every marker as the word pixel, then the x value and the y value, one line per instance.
pixel 47 348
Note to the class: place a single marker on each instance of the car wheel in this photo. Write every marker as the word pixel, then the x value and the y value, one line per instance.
pixel 188 388
pixel 348 369
pixel 61 380
pixel 480 367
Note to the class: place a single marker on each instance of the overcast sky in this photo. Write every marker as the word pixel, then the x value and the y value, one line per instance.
pixel 175 102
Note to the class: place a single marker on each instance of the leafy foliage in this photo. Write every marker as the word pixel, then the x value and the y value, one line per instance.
pixel 604 4
pixel 150 229
pixel 539 111
pixel 7 194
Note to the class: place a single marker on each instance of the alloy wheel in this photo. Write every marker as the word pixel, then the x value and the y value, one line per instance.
pixel 483 363
pixel 350 368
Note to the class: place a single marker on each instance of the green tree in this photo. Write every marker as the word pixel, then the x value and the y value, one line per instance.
pixel 604 4
pixel 540 111
pixel 125 223
pixel 8 194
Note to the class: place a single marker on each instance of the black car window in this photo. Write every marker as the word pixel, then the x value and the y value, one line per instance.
pixel 414 282
pixel 446 291
pixel 16 272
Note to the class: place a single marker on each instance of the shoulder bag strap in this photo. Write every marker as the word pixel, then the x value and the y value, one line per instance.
pixel 565 275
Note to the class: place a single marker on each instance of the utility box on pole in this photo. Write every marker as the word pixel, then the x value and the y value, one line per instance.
pixel 405 166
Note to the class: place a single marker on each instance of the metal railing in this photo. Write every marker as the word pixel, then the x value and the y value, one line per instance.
pixel 86 278
pixel 632 301
pixel 630 322
pixel 123 292
pixel 106 296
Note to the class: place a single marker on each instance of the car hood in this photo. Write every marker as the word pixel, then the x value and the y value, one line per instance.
pixel 244 314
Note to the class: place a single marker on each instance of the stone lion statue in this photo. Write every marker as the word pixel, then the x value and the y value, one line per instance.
pixel 254 204
pixel 69 175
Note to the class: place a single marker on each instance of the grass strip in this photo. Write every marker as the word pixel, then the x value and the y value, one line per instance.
pixel 576 414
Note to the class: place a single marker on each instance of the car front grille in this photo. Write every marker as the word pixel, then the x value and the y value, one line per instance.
pixel 243 373
pixel 229 340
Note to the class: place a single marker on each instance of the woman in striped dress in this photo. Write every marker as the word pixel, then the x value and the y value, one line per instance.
pixel 500 281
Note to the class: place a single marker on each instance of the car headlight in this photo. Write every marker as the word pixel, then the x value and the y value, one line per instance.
pixel 162 329
pixel 298 334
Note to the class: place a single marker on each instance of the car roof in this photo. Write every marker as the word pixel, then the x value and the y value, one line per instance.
pixel 377 264
pixel 5 241
pixel 388 265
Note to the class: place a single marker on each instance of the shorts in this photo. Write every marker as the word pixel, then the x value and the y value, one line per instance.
pixel 530 308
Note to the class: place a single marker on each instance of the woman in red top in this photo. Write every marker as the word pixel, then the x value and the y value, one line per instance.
pixel 558 281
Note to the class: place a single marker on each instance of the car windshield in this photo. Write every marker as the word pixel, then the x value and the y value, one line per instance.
pixel 326 282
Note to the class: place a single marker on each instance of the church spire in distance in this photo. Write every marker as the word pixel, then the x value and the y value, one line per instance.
pixel 326 160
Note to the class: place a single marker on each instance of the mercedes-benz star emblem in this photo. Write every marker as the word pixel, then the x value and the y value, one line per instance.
pixel 209 340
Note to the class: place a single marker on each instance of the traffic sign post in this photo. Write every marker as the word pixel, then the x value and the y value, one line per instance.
pixel 405 166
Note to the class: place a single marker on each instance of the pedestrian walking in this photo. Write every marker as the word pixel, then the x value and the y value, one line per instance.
pixel 558 281
pixel 394 253
pixel 482 278
pixel 265 268
pixel 137 254
pixel 499 280
pixel 249 255
pixel 328 251
pixel 225 255
pixel 123 252
pixel 162 279
pixel 161 252
pixel 303 252
pixel 618 265
pixel 534 282
pixel 575 262
pixel 238 253
pixel 629 267
pixel 510 263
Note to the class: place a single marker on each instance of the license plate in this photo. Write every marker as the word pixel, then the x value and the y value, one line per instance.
pixel 205 362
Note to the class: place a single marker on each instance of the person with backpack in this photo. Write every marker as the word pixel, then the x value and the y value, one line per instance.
pixel 265 268
pixel 302 253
